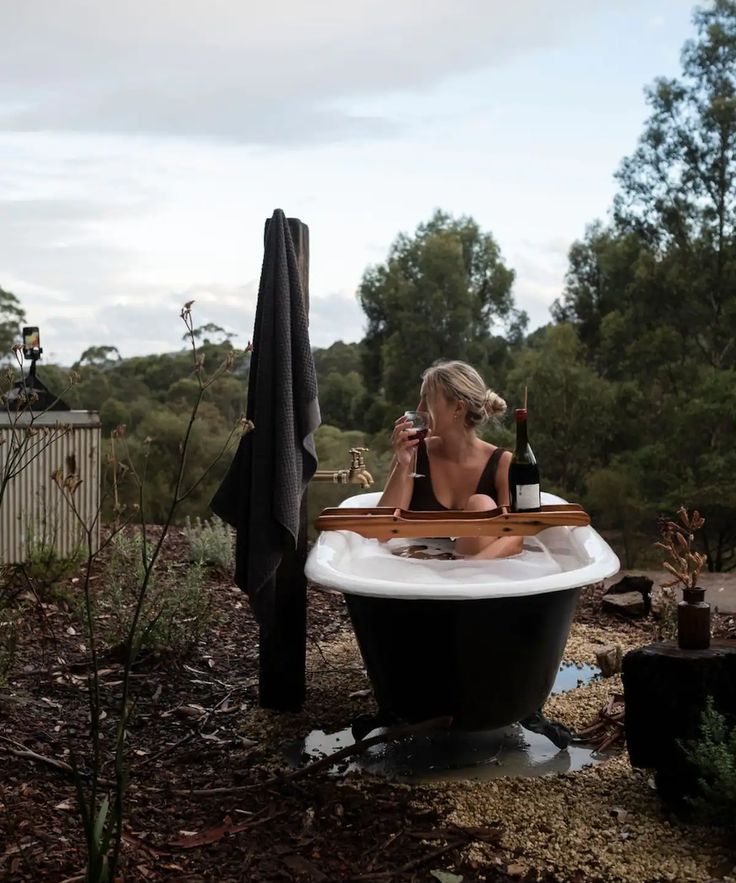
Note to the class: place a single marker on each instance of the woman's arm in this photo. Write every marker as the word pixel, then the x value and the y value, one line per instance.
pixel 399 486
pixel 502 480
pixel 400 482
pixel 504 546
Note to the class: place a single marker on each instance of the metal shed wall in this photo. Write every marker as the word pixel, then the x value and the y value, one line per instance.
pixel 33 509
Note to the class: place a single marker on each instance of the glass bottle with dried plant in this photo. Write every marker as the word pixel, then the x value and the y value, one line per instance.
pixel 693 612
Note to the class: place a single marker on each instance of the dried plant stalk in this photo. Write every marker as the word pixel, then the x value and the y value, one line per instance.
pixel 677 540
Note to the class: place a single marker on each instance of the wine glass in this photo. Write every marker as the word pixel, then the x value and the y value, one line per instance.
pixel 419 429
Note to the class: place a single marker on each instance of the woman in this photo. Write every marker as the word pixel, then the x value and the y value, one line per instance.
pixel 454 468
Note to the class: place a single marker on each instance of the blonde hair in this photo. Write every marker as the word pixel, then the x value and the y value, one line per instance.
pixel 460 381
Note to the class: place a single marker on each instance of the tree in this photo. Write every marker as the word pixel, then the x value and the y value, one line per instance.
pixel 99 356
pixel 204 333
pixel 438 295
pixel 678 189
pixel 613 498
pixel 340 399
pixel 653 295
pixel 12 316
pixel 339 356
pixel 571 408
pixel 600 280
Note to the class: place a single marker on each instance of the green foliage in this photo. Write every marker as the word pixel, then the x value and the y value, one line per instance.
pixel 613 497
pixel 211 542
pixel 714 756
pixel 339 357
pixel 12 316
pixel 176 611
pixel 45 567
pixel 341 399
pixel 114 413
pixel 438 295
pixel 678 190
pixel 652 295
pixel 99 356
pixel 570 406
pixel 204 332
pixel 333 446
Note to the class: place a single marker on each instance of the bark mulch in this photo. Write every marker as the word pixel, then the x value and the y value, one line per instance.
pixel 196 728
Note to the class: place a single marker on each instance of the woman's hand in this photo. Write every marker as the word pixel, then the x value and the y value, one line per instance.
pixel 403 446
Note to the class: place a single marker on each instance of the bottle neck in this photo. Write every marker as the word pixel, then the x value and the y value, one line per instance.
pixel 522 437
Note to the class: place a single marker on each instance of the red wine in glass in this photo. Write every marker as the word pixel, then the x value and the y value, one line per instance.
pixel 419 430
pixel 419 427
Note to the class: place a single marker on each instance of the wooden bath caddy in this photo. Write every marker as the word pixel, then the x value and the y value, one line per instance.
pixel 385 522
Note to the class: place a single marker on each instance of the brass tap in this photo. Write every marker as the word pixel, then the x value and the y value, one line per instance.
pixel 356 473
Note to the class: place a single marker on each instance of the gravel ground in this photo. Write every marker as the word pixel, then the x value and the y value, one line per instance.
pixel 603 823
pixel 585 639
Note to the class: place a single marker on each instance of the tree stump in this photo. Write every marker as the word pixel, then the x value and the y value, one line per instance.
pixel 665 690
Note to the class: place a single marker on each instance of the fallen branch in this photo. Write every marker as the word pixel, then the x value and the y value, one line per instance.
pixel 391 735
pixel 212 835
pixel 168 749
pixel 412 865
pixel 608 727
pixel 58 765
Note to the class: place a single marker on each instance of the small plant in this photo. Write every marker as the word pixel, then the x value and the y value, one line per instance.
pixel 677 540
pixel 152 598
pixel 176 611
pixel 714 757
pixel 210 542
pixel 45 569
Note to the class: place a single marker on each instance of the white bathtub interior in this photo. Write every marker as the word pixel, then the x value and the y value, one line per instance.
pixel 556 558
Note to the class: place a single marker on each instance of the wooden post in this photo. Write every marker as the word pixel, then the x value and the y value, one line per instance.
pixel 283 647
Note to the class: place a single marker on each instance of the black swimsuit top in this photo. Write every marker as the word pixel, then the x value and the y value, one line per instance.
pixel 423 498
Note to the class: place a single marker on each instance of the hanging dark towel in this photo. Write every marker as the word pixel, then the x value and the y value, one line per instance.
pixel 261 494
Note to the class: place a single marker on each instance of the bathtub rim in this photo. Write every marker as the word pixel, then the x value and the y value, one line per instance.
pixel 324 576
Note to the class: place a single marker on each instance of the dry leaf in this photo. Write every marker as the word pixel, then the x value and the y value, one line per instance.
pixel 192 839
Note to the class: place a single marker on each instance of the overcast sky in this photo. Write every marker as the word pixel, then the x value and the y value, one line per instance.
pixel 142 145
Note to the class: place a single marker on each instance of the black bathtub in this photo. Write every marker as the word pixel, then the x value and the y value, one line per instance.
pixel 480 641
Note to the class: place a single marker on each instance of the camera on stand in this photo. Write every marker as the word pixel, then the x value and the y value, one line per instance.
pixel 30 392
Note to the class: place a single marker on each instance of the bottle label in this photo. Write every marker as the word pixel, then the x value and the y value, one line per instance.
pixel 527 496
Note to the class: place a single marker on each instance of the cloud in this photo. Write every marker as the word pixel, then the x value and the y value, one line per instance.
pixel 335 317
pixel 256 73
pixel 540 274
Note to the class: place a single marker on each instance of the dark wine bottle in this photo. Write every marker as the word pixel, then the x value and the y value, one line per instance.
pixel 523 470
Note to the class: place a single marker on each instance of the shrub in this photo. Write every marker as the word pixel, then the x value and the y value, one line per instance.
pixel 176 611
pixel 714 757
pixel 45 569
pixel 210 542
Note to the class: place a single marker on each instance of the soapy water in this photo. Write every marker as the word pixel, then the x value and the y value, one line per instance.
pixel 449 755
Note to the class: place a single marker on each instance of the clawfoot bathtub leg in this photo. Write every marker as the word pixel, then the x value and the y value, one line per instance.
pixel 558 734
pixel 364 723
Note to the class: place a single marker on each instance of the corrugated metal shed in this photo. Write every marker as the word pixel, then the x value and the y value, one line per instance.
pixel 33 509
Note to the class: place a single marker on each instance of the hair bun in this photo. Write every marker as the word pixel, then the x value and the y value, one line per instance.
pixel 494 404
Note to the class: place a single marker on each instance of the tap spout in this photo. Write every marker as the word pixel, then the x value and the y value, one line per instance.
pixel 356 473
